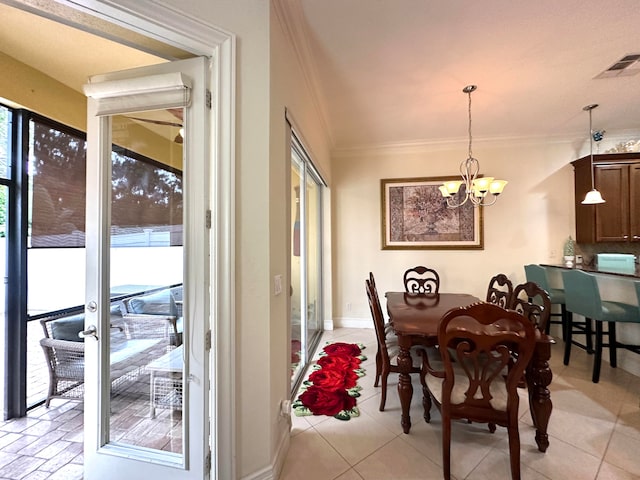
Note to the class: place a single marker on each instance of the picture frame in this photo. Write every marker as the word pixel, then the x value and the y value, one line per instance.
pixel 415 216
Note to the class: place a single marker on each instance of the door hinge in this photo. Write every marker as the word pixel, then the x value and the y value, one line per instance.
pixel 207 340
pixel 208 99
pixel 207 461
pixel 208 219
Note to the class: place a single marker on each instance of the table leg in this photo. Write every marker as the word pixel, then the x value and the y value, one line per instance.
pixel 405 389
pixel 538 379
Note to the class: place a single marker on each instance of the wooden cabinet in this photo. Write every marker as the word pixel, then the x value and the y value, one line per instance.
pixel 617 177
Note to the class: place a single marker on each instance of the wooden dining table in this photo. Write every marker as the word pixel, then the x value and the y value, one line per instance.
pixel 415 317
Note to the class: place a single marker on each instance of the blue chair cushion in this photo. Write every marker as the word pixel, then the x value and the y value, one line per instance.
pixel 68 328
pixel 556 295
pixel 620 312
pixel 160 303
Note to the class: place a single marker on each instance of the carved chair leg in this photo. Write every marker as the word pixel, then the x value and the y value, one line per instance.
pixel 426 404
pixel 383 393
pixel 446 446
pixel 514 452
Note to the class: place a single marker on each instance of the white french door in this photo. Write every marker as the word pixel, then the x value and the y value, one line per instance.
pixel 147 243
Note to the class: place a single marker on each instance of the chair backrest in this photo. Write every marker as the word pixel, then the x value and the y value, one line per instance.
pixel 488 345
pixel 500 290
pixel 63 327
pixel 421 280
pixel 378 318
pixel 372 281
pixel 582 295
pixel 532 302
pixel 537 274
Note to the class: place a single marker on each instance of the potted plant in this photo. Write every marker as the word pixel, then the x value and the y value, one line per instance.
pixel 569 252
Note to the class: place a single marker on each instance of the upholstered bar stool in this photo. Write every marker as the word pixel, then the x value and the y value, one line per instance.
pixel 582 296
pixel 538 274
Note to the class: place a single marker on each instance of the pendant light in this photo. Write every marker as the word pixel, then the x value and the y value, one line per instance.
pixel 476 187
pixel 593 196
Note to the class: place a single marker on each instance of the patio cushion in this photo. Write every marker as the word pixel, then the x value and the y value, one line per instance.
pixel 160 303
pixel 68 328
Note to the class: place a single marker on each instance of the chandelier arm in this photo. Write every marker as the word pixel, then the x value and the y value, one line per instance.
pixel 451 204
pixel 487 204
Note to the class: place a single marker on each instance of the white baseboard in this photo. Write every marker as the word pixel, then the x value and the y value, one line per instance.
pixel 353 322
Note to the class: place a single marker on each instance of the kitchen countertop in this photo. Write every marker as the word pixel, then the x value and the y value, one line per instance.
pixel 591 269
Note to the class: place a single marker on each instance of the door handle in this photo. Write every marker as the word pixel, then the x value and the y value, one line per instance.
pixel 91 331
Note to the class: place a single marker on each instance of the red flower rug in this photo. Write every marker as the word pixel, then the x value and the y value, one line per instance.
pixel 332 388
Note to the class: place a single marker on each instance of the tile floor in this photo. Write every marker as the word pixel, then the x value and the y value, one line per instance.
pixel 46 444
pixel 594 432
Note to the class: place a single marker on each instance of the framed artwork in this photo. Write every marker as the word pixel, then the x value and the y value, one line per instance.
pixel 415 216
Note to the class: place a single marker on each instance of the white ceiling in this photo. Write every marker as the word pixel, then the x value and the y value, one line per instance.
pixel 391 72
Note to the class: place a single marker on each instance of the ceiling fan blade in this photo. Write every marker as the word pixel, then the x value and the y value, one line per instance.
pixel 157 122
pixel 176 112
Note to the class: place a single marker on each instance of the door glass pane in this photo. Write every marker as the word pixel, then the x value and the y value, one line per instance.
pixel 297 360
pixel 146 271
pixel 306 278
pixel 312 220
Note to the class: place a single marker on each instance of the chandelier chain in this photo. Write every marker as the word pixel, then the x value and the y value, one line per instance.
pixel 469 111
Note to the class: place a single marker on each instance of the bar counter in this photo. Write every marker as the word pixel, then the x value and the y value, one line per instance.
pixel 591 269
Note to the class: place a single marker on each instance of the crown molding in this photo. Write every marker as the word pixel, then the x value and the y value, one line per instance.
pixel 294 26
pixel 422 146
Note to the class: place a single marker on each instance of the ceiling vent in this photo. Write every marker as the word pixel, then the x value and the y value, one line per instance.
pixel 625 67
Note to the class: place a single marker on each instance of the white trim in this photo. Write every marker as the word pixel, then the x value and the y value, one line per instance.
pixel 352 322
pixel 420 147
pixel 172 26
pixel 294 26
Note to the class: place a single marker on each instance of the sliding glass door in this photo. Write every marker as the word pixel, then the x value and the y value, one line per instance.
pixel 306 261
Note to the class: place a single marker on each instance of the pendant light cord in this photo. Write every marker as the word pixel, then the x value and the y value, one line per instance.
pixel 593 183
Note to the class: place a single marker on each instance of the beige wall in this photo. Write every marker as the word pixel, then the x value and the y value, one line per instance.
pixel 289 93
pixel 268 80
pixel 529 222
pixel 41 94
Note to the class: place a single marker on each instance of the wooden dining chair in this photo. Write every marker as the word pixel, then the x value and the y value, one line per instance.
pixel 533 302
pixel 388 349
pixel 484 351
pixel 388 331
pixel 500 290
pixel 421 280
pixel 539 275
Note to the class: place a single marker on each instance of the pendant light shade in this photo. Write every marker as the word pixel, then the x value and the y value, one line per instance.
pixel 593 197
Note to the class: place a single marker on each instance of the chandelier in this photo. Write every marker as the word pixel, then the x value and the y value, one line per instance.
pixel 593 196
pixel 476 187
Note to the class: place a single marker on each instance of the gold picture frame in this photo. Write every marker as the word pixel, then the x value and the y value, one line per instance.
pixel 415 216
